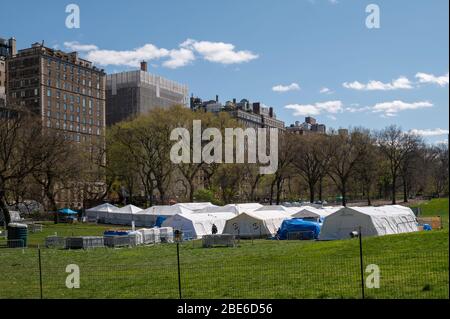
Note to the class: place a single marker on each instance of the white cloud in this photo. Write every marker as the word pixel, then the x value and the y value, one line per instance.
pixel 430 78
pixel 400 83
pixel 219 52
pixel 179 58
pixel 332 107
pixel 430 132
pixel 333 1
pixel 392 108
pixel 76 46
pixel 325 90
pixel 130 58
pixel 286 88
pixel 356 109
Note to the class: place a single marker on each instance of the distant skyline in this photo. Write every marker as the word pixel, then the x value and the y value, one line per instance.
pixel 302 57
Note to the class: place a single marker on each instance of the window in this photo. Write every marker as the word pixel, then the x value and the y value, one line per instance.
pixel 58 94
pixel 49 114
pixel 49 92
pixel 36 92
pixel 49 103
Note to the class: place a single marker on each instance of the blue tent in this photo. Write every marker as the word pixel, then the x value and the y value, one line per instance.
pixel 160 220
pixel 67 211
pixel 302 228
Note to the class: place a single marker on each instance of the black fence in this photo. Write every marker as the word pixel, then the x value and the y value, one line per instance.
pixel 252 269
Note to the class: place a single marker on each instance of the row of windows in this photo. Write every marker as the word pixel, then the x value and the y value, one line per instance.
pixel 69 68
pixel 72 118
pixel 72 108
pixel 70 87
pixel 71 127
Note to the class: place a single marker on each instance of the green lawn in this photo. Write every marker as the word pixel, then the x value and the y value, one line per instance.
pixel 413 265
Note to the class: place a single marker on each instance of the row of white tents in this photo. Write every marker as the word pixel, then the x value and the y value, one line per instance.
pixel 256 220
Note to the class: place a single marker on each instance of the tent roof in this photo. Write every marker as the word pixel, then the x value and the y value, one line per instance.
pixel 206 217
pixel 195 206
pixel 389 210
pixel 104 208
pixel 166 210
pixel 129 209
pixel 267 214
pixel 276 208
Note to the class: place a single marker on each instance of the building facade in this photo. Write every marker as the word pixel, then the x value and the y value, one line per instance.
pixel 131 93
pixel 7 50
pixel 67 92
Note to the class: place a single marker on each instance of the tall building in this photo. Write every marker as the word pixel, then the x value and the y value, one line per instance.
pixel 67 91
pixel 249 114
pixel 7 49
pixel 131 93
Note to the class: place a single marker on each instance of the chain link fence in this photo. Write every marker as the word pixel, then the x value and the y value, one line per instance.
pixel 239 272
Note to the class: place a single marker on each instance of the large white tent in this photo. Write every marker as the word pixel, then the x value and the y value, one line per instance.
pixel 101 211
pixel 124 216
pixel 374 221
pixel 195 206
pixel 278 208
pixel 259 223
pixel 230 208
pixel 150 215
pixel 197 225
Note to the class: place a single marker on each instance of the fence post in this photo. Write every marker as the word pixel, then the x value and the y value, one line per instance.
pixel 40 272
pixel 361 262
pixel 178 265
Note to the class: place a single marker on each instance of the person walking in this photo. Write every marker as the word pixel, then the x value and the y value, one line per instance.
pixel 214 229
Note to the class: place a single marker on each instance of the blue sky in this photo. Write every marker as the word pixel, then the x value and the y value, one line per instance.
pixel 281 53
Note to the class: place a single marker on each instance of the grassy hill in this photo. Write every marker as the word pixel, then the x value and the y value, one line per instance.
pixel 413 265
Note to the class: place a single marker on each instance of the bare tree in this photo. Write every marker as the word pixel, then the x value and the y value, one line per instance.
pixel 396 146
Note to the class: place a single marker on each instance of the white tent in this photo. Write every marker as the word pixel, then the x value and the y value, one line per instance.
pixel 312 213
pixel 230 208
pixel 148 216
pixel 101 211
pixel 259 223
pixel 124 216
pixel 374 221
pixel 197 225
pixel 195 206
pixel 277 208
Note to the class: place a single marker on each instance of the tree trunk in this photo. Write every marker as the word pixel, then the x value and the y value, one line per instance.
pixel 191 190
pixel 279 189
pixel 344 195
pixel 4 208
pixel 320 188
pixel 394 193
pixel 311 193
pixel 272 185
pixel 405 190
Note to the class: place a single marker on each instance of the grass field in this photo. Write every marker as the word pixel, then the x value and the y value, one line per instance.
pixel 413 265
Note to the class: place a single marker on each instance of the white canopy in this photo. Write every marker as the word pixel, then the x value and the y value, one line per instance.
pixel 258 223
pixel 195 206
pixel 124 216
pixel 147 217
pixel 230 208
pixel 197 225
pixel 101 211
pixel 277 208
pixel 374 221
